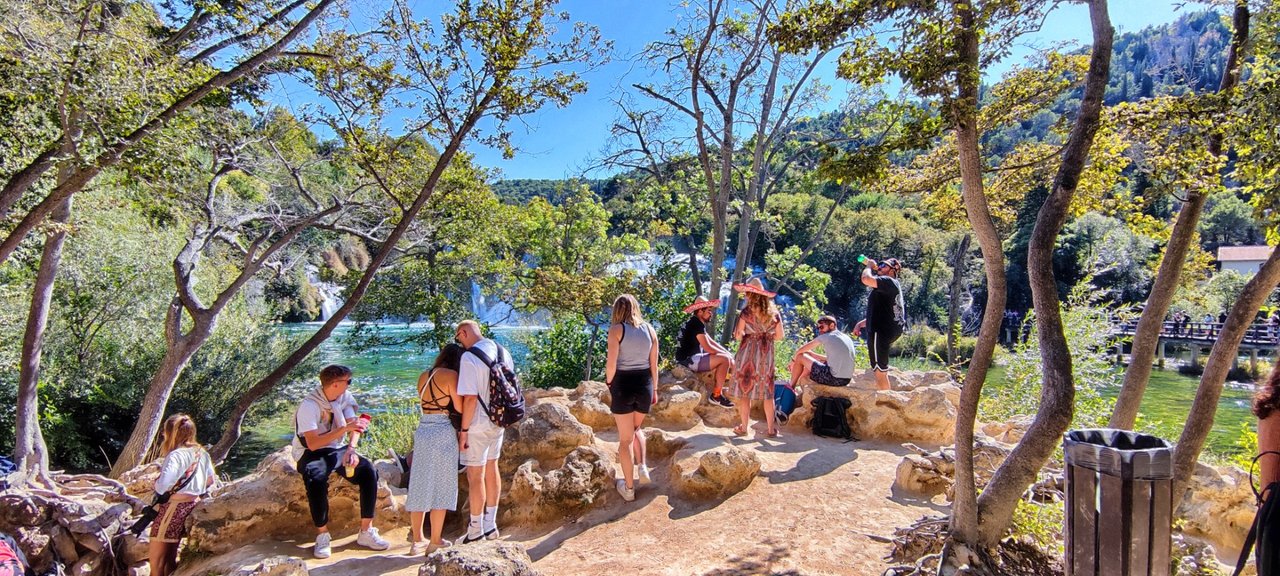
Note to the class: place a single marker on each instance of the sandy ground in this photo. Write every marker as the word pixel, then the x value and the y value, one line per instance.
pixel 819 506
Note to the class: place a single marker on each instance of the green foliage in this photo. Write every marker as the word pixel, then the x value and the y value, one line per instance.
pixel 919 342
pixel 555 355
pixel 392 427
pixel 1247 442
pixel 1043 524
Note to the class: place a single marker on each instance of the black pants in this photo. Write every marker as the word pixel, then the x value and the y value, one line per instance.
pixel 316 467
pixel 878 343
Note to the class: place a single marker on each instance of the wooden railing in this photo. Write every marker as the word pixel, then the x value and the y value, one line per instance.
pixel 1259 333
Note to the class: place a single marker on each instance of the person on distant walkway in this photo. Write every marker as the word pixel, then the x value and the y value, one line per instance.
pixel 188 471
pixel 1274 324
pixel 631 370
pixel 480 438
pixel 433 480
pixel 886 314
pixel 323 418
pixel 12 561
pixel 699 352
pixel 759 327
pixel 835 368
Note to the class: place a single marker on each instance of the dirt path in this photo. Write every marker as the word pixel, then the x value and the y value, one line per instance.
pixel 813 510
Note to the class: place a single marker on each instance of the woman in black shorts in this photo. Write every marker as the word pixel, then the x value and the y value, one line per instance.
pixel 631 369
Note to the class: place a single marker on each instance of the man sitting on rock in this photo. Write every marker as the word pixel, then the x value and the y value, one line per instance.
pixel 325 416
pixel 835 368
pixel 698 352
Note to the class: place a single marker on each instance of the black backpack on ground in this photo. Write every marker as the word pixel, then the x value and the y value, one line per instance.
pixel 506 401
pixel 1264 536
pixel 829 418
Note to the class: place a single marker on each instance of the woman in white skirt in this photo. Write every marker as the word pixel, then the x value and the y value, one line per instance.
pixel 433 478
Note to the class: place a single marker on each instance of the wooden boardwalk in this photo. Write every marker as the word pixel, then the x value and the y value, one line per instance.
pixel 1261 337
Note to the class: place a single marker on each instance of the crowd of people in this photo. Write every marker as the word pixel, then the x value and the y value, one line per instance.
pixel 457 426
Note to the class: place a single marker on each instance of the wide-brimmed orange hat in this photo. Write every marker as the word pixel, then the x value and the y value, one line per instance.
pixel 700 303
pixel 754 286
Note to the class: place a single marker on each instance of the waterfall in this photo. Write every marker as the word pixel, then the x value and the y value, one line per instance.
pixel 330 293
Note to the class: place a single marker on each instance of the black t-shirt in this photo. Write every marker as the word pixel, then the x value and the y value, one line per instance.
pixel 885 306
pixel 688 344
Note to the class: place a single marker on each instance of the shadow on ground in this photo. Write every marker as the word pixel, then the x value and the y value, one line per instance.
pixel 758 560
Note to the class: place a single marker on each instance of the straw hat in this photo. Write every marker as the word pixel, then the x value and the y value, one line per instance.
pixel 700 303
pixel 754 286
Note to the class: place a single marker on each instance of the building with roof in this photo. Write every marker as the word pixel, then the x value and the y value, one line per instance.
pixel 1243 259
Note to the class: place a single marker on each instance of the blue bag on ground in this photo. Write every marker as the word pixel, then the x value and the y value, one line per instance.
pixel 784 401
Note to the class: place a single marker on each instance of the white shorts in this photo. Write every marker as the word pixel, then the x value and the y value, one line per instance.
pixel 483 445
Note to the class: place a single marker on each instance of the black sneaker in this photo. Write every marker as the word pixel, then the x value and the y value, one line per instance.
pixel 721 400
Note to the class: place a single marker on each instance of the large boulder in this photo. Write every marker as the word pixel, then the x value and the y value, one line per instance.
pixel 589 403
pixel 548 433
pixel 661 444
pixel 272 503
pixel 713 474
pixel 246 561
pixel 717 416
pixel 916 413
pixel 677 406
pixel 141 480
pixel 536 497
pixel 1218 507
pixel 1010 432
pixel 484 558
pixel 928 473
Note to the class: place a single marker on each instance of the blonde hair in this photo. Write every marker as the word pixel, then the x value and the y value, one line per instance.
pixel 179 432
pixel 627 309
pixel 760 306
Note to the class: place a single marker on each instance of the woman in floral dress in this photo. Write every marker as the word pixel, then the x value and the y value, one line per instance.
pixel 759 327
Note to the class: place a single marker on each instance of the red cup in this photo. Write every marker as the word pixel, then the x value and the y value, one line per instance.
pixel 364 420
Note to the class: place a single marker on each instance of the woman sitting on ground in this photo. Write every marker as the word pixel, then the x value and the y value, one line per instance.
pixel 433 478
pixel 185 461
pixel 758 328
pixel 631 370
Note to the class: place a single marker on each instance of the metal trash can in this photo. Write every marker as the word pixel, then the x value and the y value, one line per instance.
pixel 1119 508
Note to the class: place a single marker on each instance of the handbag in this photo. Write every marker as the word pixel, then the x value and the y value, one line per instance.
pixel 150 511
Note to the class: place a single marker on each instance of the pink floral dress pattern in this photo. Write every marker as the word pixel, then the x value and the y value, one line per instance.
pixel 753 368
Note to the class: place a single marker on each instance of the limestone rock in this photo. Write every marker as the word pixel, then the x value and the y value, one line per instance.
pixel 661 444
pixel 717 416
pixel 88 565
pixel 535 497
pixel 918 474
pixel 548 433
pixel 245 562
pixel 141 480
pixel 924 414
pixel 272 503
pixel 589 403
pixel 1010 432
pixel 484 558
pixel 713 474
pixel 536 395
pixel 1218 507
pixel 677 406
pixel 135 548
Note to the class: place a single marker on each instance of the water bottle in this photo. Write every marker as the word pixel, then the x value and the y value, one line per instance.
pixel 862 259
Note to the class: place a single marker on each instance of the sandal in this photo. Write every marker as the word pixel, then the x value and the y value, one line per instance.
pixel 739 430
pixel 773 434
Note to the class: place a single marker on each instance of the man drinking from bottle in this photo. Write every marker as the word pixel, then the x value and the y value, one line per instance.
pixel 326 416
pixel 886 313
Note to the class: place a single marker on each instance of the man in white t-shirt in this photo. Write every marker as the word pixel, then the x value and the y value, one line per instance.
pixel 480 440
pixel 326 415
pixel 835 368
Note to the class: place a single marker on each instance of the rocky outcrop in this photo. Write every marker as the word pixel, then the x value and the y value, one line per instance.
pixel 484 558
pixel 589 403
pixel 74 525
pixel 272 503
pixel 1218 507
pixel 927 473
pixel 548 433
pixel 536 497
pixel 245 562
pixel 921 407
pixel 662 444
pixel 713 474
pixel 677 406
pixel 1010 432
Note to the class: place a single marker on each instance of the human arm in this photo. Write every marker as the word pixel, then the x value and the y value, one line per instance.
pixel 857 328
pixel 468 390
pixel 868 277
pixel 777 328
pixel 613 340
pixel 740 329
pixel 1268 440
pixel 710 346
pixel 653 361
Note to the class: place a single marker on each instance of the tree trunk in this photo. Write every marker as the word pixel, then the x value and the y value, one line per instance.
pixel 231 432
pixel 965 519
pixel 1019 470
pixel 181 348
pixel 30 452
pixel 958 266
pixel 1147 335
pixel 1221 358
pixel 591 351
pixel 693 267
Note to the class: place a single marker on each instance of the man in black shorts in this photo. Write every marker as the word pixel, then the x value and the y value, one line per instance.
pixel 886 314
pixel 699 352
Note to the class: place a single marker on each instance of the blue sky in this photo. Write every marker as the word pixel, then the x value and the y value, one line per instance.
pixel 562 142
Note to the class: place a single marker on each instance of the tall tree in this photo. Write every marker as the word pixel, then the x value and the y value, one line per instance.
pixel 490 59
pixel 1202 164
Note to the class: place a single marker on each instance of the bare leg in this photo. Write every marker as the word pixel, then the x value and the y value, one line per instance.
pixel 475 488
pixel 720 373
pixel 768 416
pixel 157 556
pixel 626 434
pixel 744 415
pixel 639 447
pixel 415 526
pixel 492 483
pixel 171 558
pixel 882 380
pixel 437 526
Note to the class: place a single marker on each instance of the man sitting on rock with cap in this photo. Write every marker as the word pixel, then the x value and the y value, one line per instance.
pixel 697 351
pixel 835 368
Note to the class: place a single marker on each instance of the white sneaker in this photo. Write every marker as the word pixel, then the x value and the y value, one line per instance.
pixel 371 540
pixel 491 534
pixel 642 474
pixel 323 546
pixel 628 494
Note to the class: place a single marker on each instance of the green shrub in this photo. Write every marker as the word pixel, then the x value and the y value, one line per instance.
pixel 964 349
pixel 1041 523
pixel 557 355
pixel 393 428
pixel 917 342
